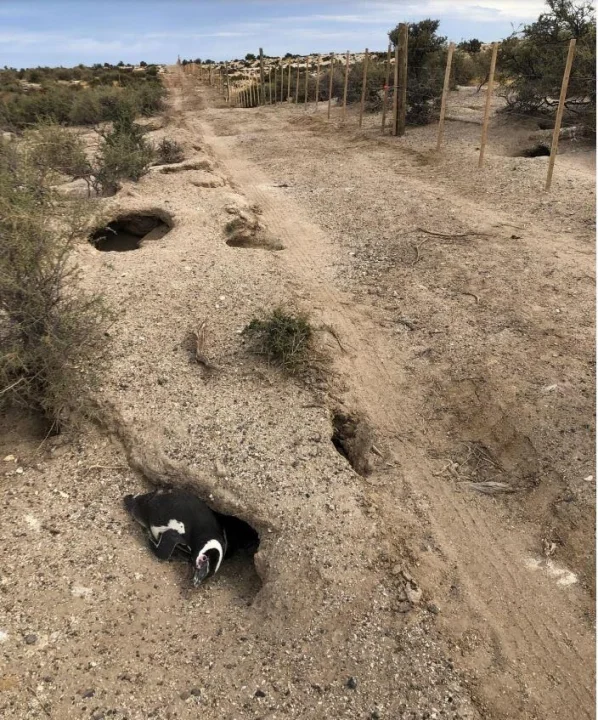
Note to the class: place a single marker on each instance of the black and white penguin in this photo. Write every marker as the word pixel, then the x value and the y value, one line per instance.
pixel 178 520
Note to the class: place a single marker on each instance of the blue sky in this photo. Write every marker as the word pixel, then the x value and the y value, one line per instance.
pixel 68 32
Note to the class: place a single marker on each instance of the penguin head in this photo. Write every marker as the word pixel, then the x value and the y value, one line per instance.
pixel 207 561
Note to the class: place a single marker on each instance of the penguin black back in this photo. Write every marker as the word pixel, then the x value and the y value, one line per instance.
pixel 178 520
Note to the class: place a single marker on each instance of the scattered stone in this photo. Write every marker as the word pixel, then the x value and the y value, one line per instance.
pixel 375 715
pixel 259 693
pixel 10 458
pixel 414 593
pixel 352 683
pixel 404 607
pixel 185 695
pixel 195 692
pixel 88 693
pixel 219 469
pixel 30 639
pixel 433 608
pixel 3 636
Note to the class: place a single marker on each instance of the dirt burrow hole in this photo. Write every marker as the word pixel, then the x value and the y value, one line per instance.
pixel 353 438
pixel 537 150
pixel 129 231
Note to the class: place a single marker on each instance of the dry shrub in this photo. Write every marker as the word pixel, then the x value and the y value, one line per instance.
pixel 50 331
pixel 169 151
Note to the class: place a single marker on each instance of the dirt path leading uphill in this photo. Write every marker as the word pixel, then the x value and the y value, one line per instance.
pixel 461 328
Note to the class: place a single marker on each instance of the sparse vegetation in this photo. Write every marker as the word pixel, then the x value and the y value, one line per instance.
pixel 51 333
pixel 282 337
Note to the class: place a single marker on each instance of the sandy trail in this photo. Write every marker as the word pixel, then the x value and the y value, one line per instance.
pixel 536 638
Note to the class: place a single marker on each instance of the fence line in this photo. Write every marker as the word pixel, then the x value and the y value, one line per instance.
pixel 252 92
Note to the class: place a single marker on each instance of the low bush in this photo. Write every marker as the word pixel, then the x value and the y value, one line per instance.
pixel 169 151
pixel 124 154
pixel 282 337
pixel 51 333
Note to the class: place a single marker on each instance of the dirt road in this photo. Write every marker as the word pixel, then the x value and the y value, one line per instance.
pixel 462 333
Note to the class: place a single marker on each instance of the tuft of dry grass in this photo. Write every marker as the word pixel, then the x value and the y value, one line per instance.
pixel 283 338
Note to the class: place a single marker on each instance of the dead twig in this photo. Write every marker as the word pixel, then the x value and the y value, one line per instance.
pixel 200 344
pixel 450 236
pixel 332 331
pixel 473 295
pixel 416 248
pixel 491 487
pixel 376 451
pixel 41 704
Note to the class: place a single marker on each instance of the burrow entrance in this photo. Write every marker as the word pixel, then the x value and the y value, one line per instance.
pixel 353 438
pixel 128 232
pixel 538 150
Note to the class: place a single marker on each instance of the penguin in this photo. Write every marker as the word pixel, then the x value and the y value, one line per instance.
pixel 177 520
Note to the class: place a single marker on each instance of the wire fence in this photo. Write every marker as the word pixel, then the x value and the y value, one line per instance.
pixel 384 83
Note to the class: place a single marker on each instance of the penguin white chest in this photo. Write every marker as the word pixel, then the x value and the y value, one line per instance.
pixel 157 530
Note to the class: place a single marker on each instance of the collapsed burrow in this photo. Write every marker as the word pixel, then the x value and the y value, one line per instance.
pixel 353 438
pixel 538 150
pixel 246 231
pixel 129 231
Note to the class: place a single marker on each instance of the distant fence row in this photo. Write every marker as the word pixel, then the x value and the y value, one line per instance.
pixel 302 83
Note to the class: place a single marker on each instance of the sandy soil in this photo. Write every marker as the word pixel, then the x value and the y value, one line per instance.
pixel 461 307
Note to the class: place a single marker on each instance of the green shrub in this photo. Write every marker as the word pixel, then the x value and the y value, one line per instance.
pixel 57 150
pixel 51 333
pixel 124 154
pixel 531 63
pixel 282 337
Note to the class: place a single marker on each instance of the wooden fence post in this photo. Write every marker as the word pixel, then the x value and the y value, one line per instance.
pixel 445 91
pixel 281 80
pixel 363 86
pixel 385 101
pixel 270 85
pixel 395 95
pixel 297 86
pixel 289 82
pixel 318 81
pixel 402 90
pixel 346 87
pixel 559 114
pixel 306 80
pixel 330 83
pixel 488 104
pixel 210 74
pixel 227 83
pixel 263 88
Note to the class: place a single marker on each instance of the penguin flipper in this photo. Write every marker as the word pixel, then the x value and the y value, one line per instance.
pixel 166 544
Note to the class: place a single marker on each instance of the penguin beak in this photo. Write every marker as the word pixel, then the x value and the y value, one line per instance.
pixel 202 568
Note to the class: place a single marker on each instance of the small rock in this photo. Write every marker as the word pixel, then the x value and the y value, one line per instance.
pixel 10 458
pixel 88 693
pixel 404 607
pixel 185 695
pixel 414 593
pixel 433 608
pixel 352 683
pixel 30 639
pixel 219 469
pixel 259 693
pixel 375 715
pixel 3 636
pixel 20 471
pixel 195 692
